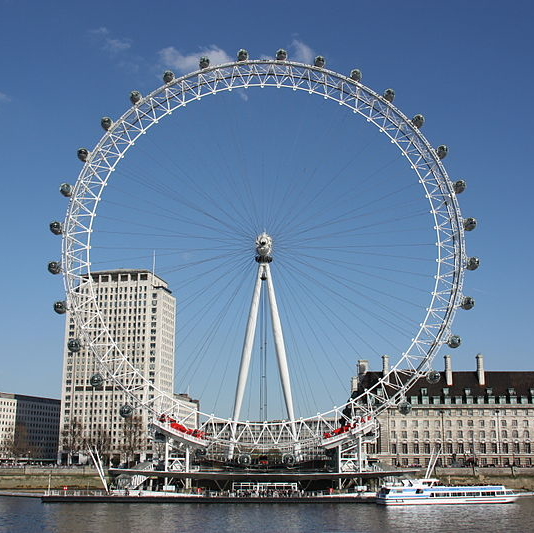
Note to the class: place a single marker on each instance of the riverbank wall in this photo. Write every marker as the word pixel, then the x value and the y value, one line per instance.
pixel 513 478
pixel 40 478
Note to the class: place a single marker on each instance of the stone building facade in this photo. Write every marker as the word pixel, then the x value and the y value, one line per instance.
pixel 480 417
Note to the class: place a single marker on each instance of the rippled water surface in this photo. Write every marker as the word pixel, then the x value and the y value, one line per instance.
pixel 29 515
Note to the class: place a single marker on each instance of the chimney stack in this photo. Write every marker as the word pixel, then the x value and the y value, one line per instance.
pixel 363 367
pixel 385 365
pixel 448 370
pixel 480 369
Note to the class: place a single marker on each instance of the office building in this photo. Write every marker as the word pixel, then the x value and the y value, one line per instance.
pixel 29 427
pixel 139 311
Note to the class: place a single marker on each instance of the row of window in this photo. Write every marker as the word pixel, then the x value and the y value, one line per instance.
pixel 469 412
pixel 460 448
pixel 460 434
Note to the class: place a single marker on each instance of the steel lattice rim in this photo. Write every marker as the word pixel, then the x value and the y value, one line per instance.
pixel 445 298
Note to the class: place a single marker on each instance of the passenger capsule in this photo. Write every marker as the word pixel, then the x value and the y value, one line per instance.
pixel 459 186
pixel 244 459
pixel 66 189
pixel 60 307
pixel 106 123
pixel 433 377
pixel 454 341
pixel 356 74
pixel 74 345
pixel 404 407
pixel 96 380
pixel 204 62
pixel 418 121
pixel 281 54
pixel 242 55
pixel 56 228
pixel 168 76
pixel 472 263
pixel 135 97
pixel 389 95
pixel 442 151
pixel 470 224
pixel 126 411
pixel 468 303
pixel 83 154
pixel 54 267
pixel 160 437
pixel 319 61
pixel 288 459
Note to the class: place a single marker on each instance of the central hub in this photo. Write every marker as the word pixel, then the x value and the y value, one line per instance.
pixel 264 246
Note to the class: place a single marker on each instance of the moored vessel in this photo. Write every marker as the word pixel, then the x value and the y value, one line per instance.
pixel 428 491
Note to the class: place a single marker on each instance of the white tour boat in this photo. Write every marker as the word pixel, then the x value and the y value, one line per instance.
pixel 429 492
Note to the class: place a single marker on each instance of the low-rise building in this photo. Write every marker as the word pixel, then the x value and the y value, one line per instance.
pixel 474 417
pixel 29 427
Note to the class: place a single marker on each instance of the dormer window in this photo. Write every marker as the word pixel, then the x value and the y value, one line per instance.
pixel 424 392
pixel 489 391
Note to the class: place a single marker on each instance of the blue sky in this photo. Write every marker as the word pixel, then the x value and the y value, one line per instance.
pixel 466 66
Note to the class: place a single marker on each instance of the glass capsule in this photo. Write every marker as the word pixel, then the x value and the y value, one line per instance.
pixel 66 189
pixel 468 303
pixel 433 377
pixel 135 97
pixel 454 341
pixel 54 267
pixel 168 76
pixel 442 151
pixel 418 121
pixel 356 74
pixel 319 61
pixel 281 54
pixel 56 228
pixel 60 307
pixel 126 411
pixel 404 407
pixel 472 263
pixel 83 153
pixel 106 123
pixel 74 345
pixel 96 380
pixel 459 186
pixel 389 95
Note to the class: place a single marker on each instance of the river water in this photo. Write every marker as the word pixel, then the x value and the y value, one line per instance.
pixel 29 515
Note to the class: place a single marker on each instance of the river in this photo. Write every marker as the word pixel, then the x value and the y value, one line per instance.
pixel 29 515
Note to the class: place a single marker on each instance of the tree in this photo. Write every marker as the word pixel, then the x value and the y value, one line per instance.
pixel 100 440
pixel 72 438
pixel 21 443
pixel 132 437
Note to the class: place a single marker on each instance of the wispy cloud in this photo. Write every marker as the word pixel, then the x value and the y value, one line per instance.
pixel 301 52
pixel 108 42
pixel 172 58
pixel 4 98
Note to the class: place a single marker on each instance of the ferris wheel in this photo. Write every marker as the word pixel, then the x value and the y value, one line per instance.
pixel 311 246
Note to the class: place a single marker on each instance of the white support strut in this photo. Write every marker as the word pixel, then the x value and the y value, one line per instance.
pixel 247 345
pixel 263 249
pixel 279 346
